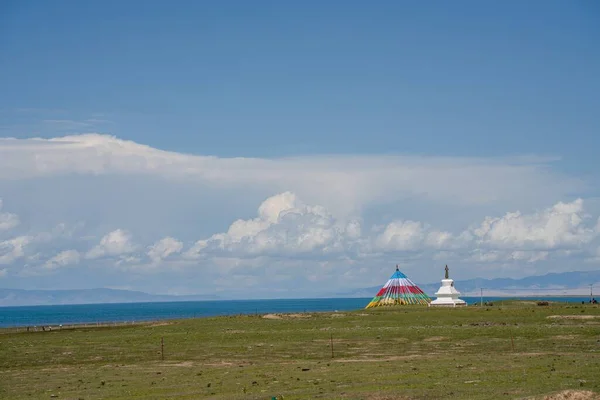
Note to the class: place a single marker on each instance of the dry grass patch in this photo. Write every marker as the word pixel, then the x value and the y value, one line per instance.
pixel 435 339
pixel 271 316
pixel 380 359
pixel 570 395
pixel 574 316
pixel 286 316
pixel 179 364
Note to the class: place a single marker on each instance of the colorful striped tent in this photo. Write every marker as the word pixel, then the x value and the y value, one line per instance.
pixel 399 290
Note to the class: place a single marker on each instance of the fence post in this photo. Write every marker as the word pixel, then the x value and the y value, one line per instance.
pixel 331 339
pixel 512 342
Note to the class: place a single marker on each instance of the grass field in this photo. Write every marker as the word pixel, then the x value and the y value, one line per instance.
pixel 508 351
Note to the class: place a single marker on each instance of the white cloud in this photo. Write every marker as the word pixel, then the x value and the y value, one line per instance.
pixel 494 256
pixel 560 230
pixel 284 226
pixel 63 259
pixel 27 250
pixel 513 237
pixel 128 261
pixel 357 213
pixel 115 243
pixel 561 225
pixel 342 183
pixel 13 249
pixel 287 227
pixel 286 230
pixel 7 220
pixel 529 256
pixel 411 235
pixel 164 248
pixel 401 235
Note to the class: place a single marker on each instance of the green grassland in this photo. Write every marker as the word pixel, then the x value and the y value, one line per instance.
pixel 506 351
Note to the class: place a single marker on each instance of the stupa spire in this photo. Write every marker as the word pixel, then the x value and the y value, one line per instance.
pixel 447 295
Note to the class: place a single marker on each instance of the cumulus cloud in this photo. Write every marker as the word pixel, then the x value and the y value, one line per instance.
pixel 31 247
pixel 63 259
pixel 284 226
pixel 164 248
pixel 13 249
pixel 115 243
pixel 512 237
pixel 287 226
pixel 7 220
pixel 562 225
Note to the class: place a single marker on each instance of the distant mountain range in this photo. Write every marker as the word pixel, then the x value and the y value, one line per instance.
pixel 20 297
pixel 556 284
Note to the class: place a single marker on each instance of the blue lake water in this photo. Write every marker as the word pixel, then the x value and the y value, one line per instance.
pixel 121 312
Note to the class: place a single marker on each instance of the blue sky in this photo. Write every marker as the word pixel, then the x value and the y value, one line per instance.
pixel 509 91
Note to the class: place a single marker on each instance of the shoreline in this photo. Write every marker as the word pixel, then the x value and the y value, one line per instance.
pixel 54 324
pixel 463 295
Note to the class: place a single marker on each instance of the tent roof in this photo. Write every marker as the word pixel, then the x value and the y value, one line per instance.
pixel 399 290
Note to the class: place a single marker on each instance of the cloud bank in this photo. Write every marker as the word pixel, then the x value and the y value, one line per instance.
pixel 299 223
pixel 7 220
pixel 345 183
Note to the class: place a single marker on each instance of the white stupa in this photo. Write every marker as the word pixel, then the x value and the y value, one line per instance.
pixel 447 295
